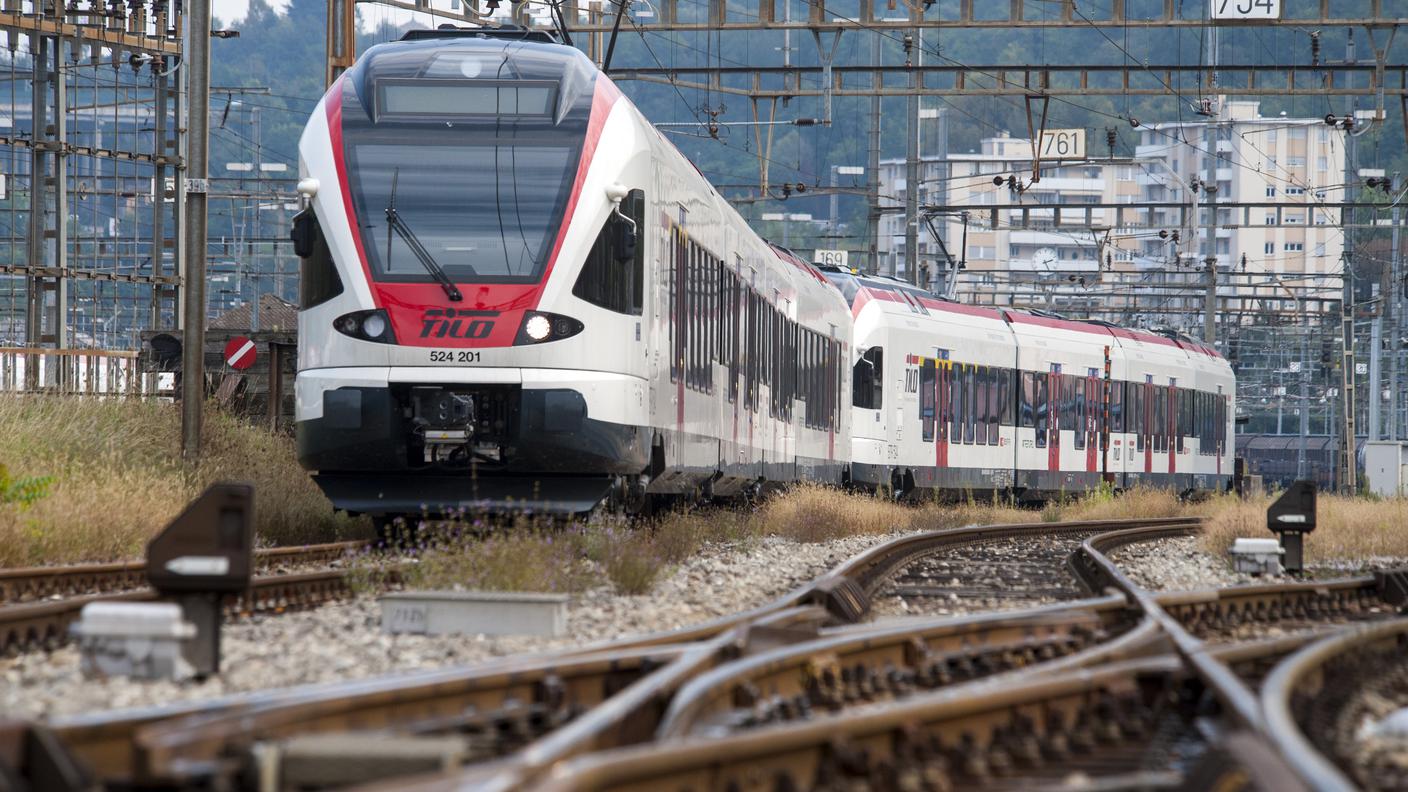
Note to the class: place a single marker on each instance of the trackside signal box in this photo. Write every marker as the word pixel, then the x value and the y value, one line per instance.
pixel 206 553
pixel 1291 517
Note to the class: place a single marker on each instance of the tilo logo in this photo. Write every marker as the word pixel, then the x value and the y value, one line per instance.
pixel 453 323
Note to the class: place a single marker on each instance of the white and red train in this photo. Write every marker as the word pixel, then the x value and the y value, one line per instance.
pixel 516 291
pixel 952 398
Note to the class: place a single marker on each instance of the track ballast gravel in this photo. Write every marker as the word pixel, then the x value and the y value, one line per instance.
pixel 344 641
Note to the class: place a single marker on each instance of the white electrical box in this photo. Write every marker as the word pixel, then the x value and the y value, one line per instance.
pixel 1386 467
pixel 1257 556
pixel 133 639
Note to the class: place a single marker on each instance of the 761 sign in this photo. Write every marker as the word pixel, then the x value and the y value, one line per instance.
pixel 1062 144
pixel 1252 10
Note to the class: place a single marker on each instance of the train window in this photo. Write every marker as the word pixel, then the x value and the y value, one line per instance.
pixel 1078 412
pixel 318 281
pixel 1160 420
pixel 970 403
pixel 1116 406
pixel 926 399
pixel 945 402
pixel 1041 408
pixel 676 280
pixel 1007 397
pixel 996 391
pixel 1138 415
pixel 956 397
pixel 980 405
pixel 613 274
pixel 1183 420
pixel 1027 411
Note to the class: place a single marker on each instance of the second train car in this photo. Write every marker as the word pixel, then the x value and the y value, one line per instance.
pixel 954 399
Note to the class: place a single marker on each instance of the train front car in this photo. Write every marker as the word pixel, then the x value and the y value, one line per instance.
pixel 470 327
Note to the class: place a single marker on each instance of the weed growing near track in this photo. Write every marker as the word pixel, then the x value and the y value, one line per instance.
pixel 115 477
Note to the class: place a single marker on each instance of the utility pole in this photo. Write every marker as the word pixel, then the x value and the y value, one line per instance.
pixel 1301 471
pixel 872 186
pixel 911 161
pixel 1393 304
pixel 1348 481
pixel 1210 261
pixel 197 60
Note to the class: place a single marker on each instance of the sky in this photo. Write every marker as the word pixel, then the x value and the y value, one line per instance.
pixel 228 10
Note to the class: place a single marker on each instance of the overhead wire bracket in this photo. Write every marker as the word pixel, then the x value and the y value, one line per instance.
pixel 1034 134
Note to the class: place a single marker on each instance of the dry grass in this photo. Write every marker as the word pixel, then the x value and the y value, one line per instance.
pixel 117 478
pixel 813 513
pixel 519 558
pixel 1347 529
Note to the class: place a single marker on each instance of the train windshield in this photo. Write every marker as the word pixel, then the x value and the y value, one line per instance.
pixel 486 209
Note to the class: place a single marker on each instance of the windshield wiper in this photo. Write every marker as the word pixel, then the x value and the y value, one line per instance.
pixel 395 223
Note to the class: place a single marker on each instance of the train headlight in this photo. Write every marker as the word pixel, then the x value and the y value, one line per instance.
pixel 374 326
pixel 540 327
pixel 366 326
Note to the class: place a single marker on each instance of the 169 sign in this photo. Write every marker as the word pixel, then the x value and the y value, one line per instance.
pixel 1251 10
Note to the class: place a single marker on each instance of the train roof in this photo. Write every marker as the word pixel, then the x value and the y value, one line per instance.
pixel 854 285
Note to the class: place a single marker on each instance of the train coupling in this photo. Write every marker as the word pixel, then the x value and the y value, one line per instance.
pixel 445 419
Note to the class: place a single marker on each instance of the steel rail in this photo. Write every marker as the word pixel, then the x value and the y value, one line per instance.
pixel 1201 611
pixel 1303 672
pixel 1093 565
pixel 171 741
pixel 46 581
pixel 46 623
pixel 935 733
pixel 843 593
pixel 1036 638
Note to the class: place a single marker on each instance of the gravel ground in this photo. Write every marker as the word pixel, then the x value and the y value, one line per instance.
pixel 344 641
pixel 992 576
pixel 1178 564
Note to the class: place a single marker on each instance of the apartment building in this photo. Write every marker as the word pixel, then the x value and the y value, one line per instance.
pixel 1292 164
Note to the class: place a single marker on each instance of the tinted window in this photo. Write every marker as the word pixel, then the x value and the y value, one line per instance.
pixel 607 279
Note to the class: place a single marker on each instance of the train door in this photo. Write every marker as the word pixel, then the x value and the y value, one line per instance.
pixel 1053 419
pixel 1146 424
pixel 945 402
pixel 1171 428
pixel 1094 408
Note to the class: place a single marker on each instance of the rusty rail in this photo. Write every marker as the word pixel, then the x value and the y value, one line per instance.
pixel 1306 675
pixel 22 583
pixel 45 624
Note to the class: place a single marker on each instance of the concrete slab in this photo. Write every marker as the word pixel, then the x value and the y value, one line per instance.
pixel 474 612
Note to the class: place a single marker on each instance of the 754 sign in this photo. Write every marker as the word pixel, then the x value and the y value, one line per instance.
pixel 1245 10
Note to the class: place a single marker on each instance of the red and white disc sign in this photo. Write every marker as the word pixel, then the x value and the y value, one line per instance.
pixel 239 353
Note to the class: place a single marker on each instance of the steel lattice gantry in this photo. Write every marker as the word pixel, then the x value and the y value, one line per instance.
pixel 92 158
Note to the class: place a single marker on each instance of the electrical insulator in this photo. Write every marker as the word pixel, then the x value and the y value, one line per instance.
pixel 1244 262
pixel 1110 139
pixel 1163 233
pixel 801 188
pixel 998 181
pixel 1314 48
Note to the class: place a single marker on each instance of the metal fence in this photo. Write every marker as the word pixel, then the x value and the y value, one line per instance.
pixel 83 372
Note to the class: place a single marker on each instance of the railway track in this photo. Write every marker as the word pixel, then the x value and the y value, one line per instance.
pixel 36 583
pixel 187 736
pixel 1322 702
pixel 44 623
pixel 805 692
